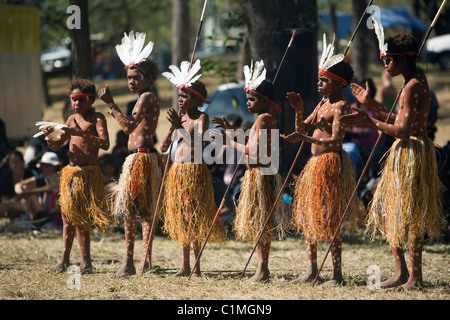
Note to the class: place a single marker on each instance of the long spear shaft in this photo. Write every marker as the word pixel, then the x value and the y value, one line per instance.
pixel 284 56
pixel 375 146
pixel 152 230
pixel 357 27
pixel 288 175
pixel 235 171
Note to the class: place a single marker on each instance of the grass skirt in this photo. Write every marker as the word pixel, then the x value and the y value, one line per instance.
pixel 82 196
pixel 138 188
pixel 322 192
pixel 189 207
pixel 408 196
pixel 258 193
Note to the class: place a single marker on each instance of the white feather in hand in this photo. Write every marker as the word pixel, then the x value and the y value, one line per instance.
pixel 58 130
pixel 379 31
pixel 183 75
pixel 130 50
pixel 254 76
pixel 327 60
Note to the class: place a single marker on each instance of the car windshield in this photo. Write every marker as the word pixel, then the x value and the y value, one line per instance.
pixel 226 101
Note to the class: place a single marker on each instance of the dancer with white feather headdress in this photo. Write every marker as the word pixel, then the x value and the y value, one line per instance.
pixel 189 207
pixel 136 193
pixel 407 204
pixel 261 184
pixel 325 184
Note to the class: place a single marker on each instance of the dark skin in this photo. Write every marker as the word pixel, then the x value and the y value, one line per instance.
pixel 328 135
pixel 88 133
pixel 191 120
pixel 259 106
pixel 140 128
pixel 411 119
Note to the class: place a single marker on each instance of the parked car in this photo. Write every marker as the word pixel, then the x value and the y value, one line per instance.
pixel 437 50
pixel 228 99
pixel 56 59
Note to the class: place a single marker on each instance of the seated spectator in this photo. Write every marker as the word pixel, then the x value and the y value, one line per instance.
pixel 12 171
pixel 39 194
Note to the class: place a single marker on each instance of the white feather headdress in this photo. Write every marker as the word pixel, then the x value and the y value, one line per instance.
pixel 183 76
pixel 379 31
pixel 327 60
pixel 254 76
pixel 132 50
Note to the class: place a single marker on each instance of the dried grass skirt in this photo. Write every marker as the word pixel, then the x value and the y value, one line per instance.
pixel 189 207
pixel 82 197
pixel 138 187
pixel 408 196
pixel 322 192
pixel 258 193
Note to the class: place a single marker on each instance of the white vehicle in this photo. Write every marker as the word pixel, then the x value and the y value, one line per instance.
pixel 56 59
pixel 437 50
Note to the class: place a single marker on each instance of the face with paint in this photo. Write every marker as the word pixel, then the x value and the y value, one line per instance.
pixel 256 104
pixel 137 83
pixel 188 101
pixel 81 103
pixel 393 65
pixel 327 86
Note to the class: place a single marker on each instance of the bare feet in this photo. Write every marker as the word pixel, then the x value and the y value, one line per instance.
pixel 146 267
pixel 126 269
pixel 395 281
pixel 308 276
pixel 183 273
pixel 262 276
pixel 333 283
pixel 60 267
pixel 86 267
pixel 412 285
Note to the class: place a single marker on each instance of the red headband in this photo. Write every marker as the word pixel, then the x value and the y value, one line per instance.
pixel 136 66
pixel 198 94
pixel 397 54
pixel 272 103
pixel 79 95
pixel 332 76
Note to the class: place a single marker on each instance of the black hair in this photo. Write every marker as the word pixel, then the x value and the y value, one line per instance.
pixel 199 87
pixel 266 89
pixel 402 42
pixel 85 86
pixel 344 70
pixel 150 69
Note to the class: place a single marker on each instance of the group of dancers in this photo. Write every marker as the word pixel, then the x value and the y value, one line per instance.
pixel 406 205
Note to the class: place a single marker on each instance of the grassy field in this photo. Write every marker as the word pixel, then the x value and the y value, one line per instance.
pixel 25 257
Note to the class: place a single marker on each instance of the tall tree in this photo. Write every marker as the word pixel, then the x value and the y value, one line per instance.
pixel 80 43
pixel 180 36
pixel 362 41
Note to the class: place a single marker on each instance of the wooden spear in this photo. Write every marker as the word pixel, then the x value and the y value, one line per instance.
pixel 293 164
pixel 152 230
pixel 376 144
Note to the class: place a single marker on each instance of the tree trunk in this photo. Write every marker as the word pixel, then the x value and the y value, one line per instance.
pixel 263 18
pixel 180 37
pixel 361 42
pixel 81 44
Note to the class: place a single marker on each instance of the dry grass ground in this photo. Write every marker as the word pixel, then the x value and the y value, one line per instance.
pixel 25 257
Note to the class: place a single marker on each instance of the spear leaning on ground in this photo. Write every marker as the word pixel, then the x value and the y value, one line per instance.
pixel 235 171
pixel 376 143
pixel 294 162
pixel 152 230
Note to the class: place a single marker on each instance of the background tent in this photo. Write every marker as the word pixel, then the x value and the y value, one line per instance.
pixel 390 17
